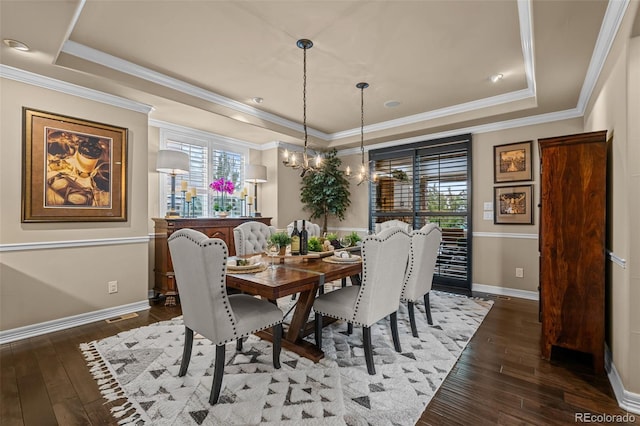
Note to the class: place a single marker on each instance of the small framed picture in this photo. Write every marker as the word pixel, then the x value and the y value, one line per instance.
pixel 512 162
pixel 74 170
pixel 513 205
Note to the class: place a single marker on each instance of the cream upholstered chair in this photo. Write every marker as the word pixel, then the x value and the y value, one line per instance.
pixel 384 258
pixel 200 263
pixel 425 243
pixel 313 230
pixel 394 222
pixel 251 237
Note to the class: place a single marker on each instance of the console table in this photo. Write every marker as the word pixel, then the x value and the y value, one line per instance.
pixel 165 283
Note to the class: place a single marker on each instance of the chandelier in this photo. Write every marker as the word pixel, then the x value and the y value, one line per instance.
pixel 363 176
pixel 290 159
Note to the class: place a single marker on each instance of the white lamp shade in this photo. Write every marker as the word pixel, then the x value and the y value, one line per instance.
pixel 172 162
pixel 255 174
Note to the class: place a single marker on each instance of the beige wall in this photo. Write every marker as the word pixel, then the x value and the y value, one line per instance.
pixel 52 283
pixel 616 107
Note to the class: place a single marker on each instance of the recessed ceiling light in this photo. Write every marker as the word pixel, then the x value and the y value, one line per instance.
pixel 392 104
pixel 496 78
pixel 257 100
pixel 15 44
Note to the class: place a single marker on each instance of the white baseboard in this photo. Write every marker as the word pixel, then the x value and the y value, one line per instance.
pixel 504 291
pixel 25 332
pixel 626 400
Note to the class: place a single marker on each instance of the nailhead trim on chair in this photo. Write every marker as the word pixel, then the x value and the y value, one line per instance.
pixel 411 264
pixel 223 287
pixel 364 280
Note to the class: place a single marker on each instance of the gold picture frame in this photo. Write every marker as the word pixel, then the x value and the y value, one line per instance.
pixel 513 162
pixel 73 170
pixel 513 205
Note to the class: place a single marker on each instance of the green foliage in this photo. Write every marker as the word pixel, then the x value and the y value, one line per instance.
pixel 445 200
pixel 331 236
pixel 314 244
pixel 354 237
pixel 281 238
pixel 326 192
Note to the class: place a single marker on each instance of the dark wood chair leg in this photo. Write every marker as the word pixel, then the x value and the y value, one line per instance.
pixel 344 282
pixel 368 350
pixel 277 344
pixel 394 331
pixel 349 328
pixel 318 330
pixel 239 345
pixel 412 319
pixel 293 296
pixel 427 308
pixel 186 352
pixel 218 372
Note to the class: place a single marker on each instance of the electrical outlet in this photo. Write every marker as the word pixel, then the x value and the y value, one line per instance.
pixel 519 272
pixel 112 287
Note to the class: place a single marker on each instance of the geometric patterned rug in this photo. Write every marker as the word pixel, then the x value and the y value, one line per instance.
pixel 139 368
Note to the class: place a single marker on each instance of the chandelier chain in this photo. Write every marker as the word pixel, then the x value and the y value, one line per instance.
pixel 304 98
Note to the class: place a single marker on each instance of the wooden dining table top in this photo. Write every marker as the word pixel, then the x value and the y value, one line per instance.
pixel 293 275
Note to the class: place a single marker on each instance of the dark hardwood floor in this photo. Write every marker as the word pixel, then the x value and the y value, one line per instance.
pixel 499 379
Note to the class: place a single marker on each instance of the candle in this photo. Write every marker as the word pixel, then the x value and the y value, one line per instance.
pixel 183 185
pixel 188 197
pixel 193 192
pixel 250 199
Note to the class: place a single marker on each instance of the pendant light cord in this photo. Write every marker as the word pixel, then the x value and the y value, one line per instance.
pixel 304 100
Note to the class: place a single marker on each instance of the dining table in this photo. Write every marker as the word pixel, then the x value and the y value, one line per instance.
pixel 303 276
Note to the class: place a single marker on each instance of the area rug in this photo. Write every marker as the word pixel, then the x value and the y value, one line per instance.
pixel 138 369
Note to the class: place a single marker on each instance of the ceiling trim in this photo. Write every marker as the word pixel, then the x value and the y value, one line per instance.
pixel 524 13
pixel 482 128
pixel 196 133
pixel 28 77
pixel 113 62
pixel 608 31
pixel 439 113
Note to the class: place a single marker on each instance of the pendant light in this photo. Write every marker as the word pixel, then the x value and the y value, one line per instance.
pixel 290 159
pixel 363 175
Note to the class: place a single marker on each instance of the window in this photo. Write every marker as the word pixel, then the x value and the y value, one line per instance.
pixel 429 182
pixel 211 158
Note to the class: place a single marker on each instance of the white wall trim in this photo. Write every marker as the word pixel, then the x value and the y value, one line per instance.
pixel 626 400
pixel 505 291
pixel 505 235
pixel 616 259
pixel 196 133
pixel 101 58
pixel 71 89
pixel 48 245
pixel 610 25
pixel 25 332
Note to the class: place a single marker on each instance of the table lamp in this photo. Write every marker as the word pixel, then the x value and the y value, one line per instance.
pixel 174 163
pixel 255 174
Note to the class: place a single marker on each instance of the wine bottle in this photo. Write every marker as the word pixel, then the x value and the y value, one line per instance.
pixel 304 248
pixel 295 240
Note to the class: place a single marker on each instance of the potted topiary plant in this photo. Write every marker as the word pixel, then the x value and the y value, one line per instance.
pixel 282 239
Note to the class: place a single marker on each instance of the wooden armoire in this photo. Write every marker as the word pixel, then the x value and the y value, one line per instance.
pixel 573 173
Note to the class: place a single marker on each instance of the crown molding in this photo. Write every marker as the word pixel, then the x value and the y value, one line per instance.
pixel 202 134
pixel 526 38
pixel 33 79
pixel 482 128
pixel 610 25
pixel 101 58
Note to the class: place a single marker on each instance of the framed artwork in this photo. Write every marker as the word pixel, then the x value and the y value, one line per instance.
pixel 512 162
pixel 73 170
pixel 513 205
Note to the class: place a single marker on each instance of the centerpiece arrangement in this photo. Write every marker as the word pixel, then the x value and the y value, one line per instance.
pixel 221 204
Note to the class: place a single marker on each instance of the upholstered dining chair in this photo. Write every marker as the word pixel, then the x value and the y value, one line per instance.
pixel 200 263
pixel 313 229
pixel 394 222
pixel 251 237
pixel 384 258
pixel 425 243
